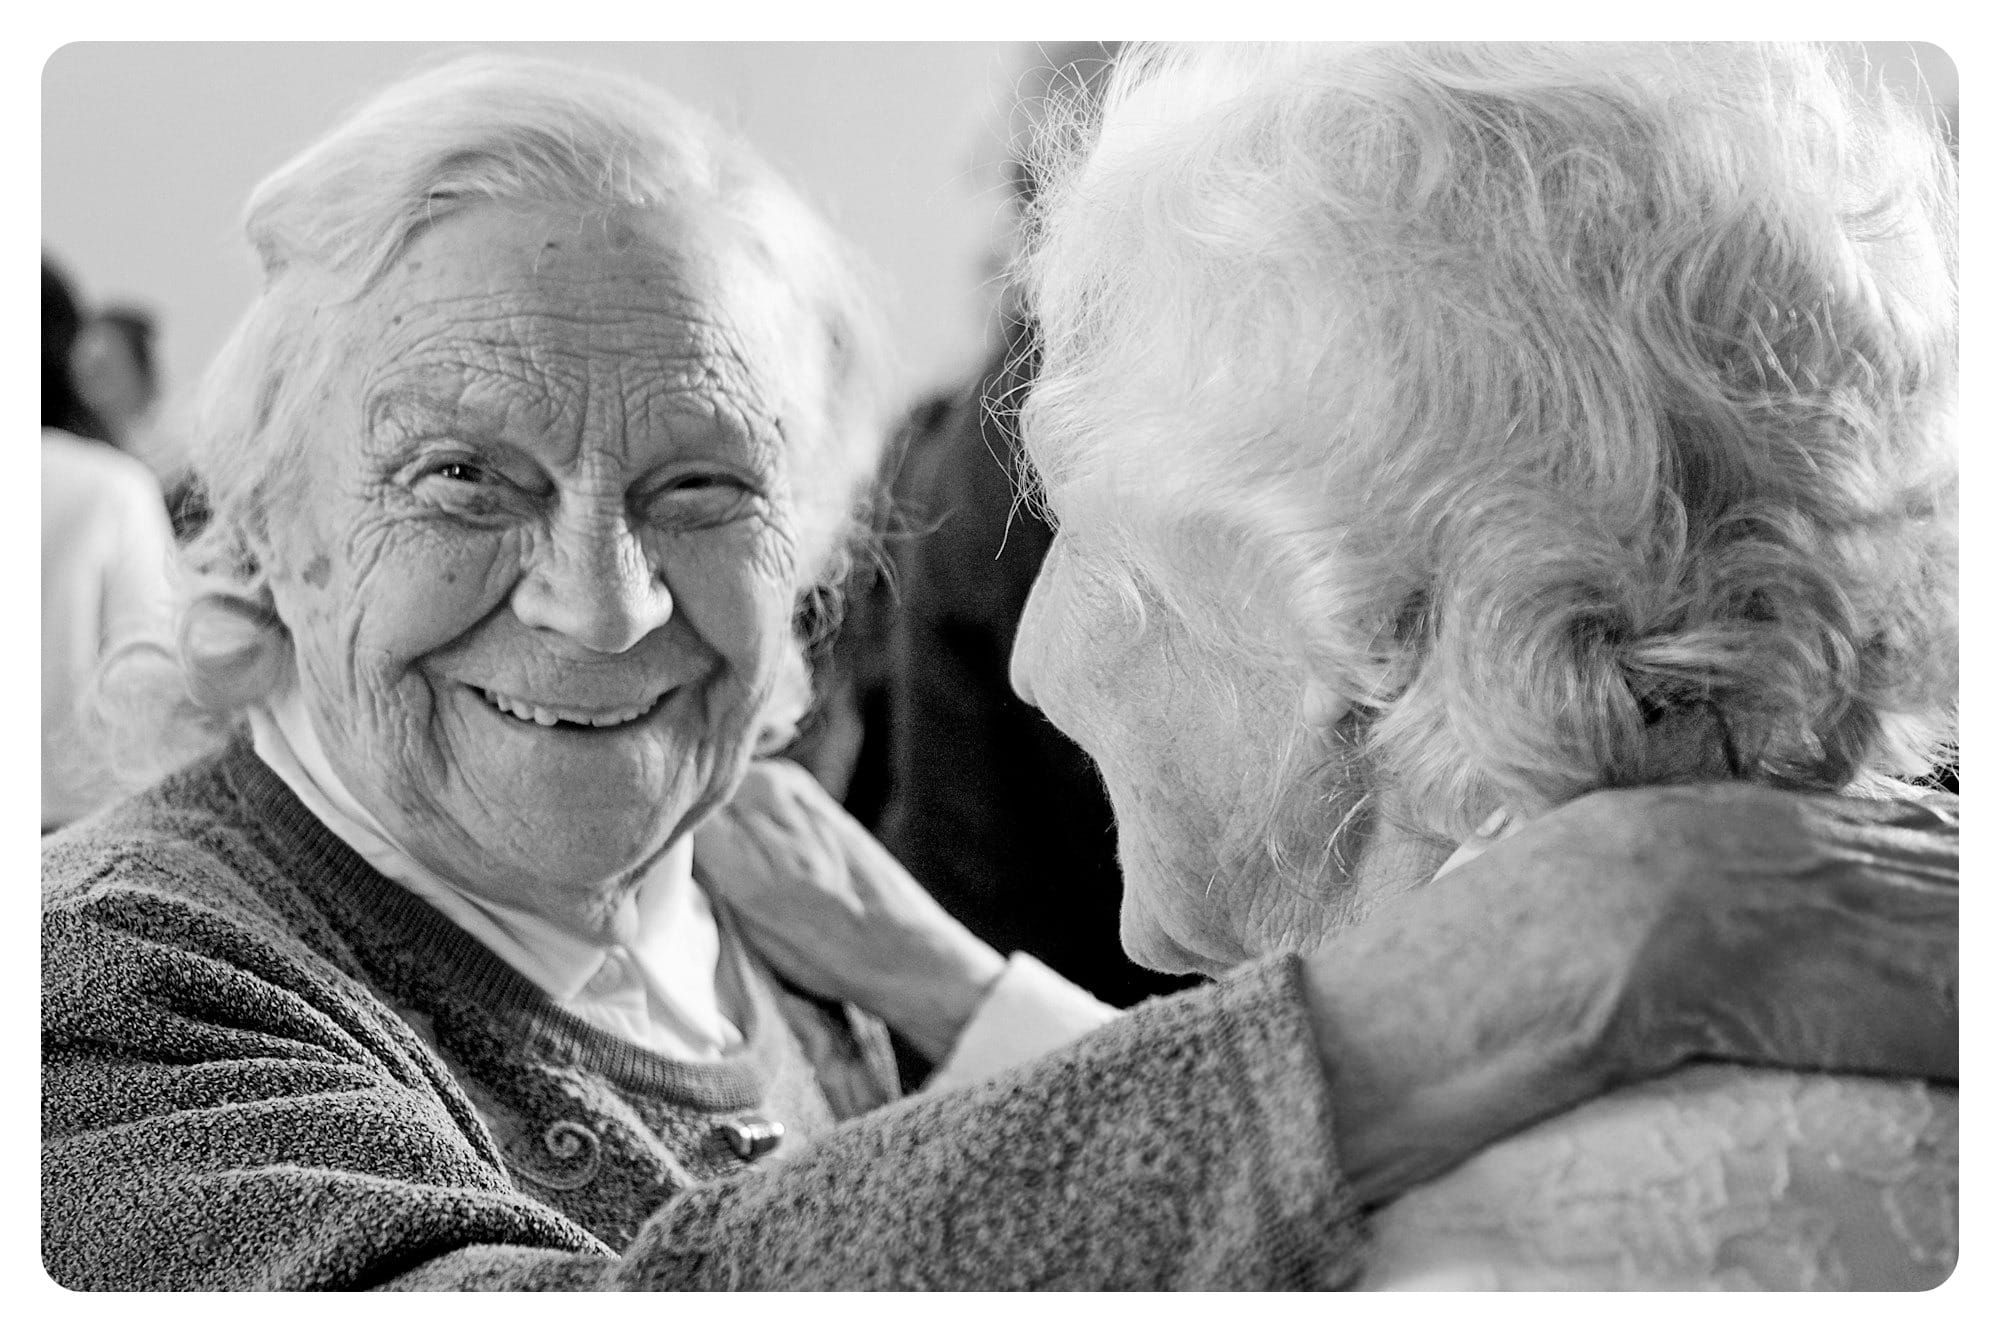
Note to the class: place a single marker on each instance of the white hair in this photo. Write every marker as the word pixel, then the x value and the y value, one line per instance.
pixel 1525 395
pixel 328 224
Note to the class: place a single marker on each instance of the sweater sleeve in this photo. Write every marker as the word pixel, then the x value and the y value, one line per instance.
pixel 219 1113
pixel 222 1111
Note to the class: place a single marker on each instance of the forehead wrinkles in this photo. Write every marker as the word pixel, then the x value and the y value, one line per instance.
pixel 707 373
pixel 616 368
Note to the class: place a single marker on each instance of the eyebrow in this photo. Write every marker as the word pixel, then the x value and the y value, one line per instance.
pixel 479 410
pixel 428 405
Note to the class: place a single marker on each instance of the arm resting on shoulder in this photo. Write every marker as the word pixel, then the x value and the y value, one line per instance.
pixel 1184 1146
pixel 1606 942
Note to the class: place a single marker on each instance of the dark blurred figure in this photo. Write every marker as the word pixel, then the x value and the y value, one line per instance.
pixel 105 547
pixel 117 376
pixel 63 407
pixel 990 807
pixel 114 368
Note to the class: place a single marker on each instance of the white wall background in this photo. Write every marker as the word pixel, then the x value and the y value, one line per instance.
pixel 149 150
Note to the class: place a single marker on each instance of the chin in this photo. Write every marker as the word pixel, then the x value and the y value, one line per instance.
pixel 560 839
pixel 1162 942
pixel 1151 947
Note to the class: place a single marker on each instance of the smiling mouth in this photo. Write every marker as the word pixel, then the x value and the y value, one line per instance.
pixel 581 719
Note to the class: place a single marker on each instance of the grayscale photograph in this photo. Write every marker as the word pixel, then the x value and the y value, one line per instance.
pixel 1000 666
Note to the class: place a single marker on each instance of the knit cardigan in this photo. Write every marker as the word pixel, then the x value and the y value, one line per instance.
pixel 265 1066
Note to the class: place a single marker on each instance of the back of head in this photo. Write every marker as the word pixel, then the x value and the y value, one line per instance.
pixel 135 332
pixel 114 371
pixel 1542 399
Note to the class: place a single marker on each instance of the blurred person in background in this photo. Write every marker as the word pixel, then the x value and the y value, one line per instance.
pixel 64 406
pixel 106 545
pixel 986 802
pixel 116 374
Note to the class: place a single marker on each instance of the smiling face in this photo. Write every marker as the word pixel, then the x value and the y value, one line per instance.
pixel 540 576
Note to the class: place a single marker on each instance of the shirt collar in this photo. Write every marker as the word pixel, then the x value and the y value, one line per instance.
pixel 557 961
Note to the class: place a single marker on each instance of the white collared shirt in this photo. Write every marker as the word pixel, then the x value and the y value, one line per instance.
pixel 654 985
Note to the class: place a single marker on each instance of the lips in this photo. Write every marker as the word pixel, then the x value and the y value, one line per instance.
pixel 550 715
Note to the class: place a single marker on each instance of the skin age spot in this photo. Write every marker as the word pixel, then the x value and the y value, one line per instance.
pixel 317 571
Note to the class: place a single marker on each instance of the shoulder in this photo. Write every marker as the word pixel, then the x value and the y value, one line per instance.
pixel 171 834
pixel 94 489
pixel 180 866
pixel 1717 1177
pixel 68 459
pixel 174 931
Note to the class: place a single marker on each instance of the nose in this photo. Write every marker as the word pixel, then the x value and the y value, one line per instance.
pixel 594 583
pixel 1028 639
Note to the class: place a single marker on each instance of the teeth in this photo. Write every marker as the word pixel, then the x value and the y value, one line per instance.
pixel 547 717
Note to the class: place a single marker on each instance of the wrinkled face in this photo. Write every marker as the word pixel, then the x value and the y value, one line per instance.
pixel 1198 746
pixel 542 574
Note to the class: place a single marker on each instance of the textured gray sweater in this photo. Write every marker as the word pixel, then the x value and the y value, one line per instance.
pixel 266 1066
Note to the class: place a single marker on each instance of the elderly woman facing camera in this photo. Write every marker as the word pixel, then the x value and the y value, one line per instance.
pixel 553 407
pixel 1437 434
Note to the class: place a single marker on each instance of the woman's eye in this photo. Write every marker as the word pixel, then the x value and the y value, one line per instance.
pixel 469 473
pixel 460 472
pixel 465 486
pixel 701 499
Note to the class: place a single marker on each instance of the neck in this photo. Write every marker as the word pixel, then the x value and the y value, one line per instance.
pixel 609 913
pixel 603 912
pixel 1390 858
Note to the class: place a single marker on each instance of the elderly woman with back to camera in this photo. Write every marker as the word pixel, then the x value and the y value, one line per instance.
pixel 1437 434
pixel 554 406
pixel 1440 433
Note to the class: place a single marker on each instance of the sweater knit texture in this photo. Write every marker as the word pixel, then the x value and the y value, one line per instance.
pixel 266 1066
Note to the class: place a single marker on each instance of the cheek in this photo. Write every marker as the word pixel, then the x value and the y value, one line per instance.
pixel 363 614
pixel 415 590
pixel 1065 649
pixel 735 592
